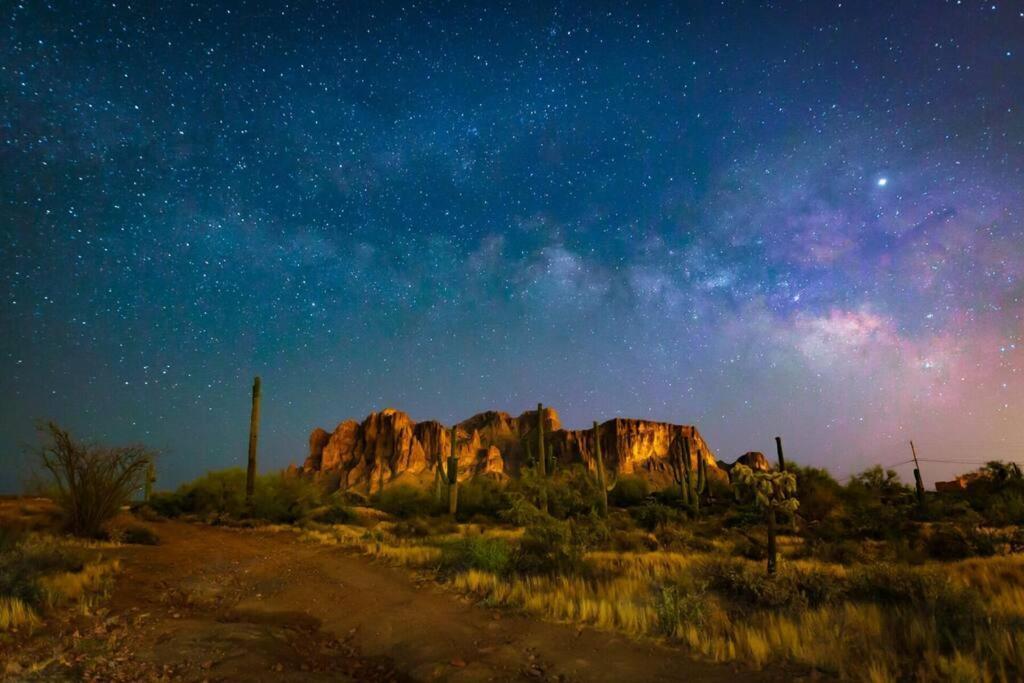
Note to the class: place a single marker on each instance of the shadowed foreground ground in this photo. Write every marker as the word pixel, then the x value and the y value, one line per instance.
pixel 222 604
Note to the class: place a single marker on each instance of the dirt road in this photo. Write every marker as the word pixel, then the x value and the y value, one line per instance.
pixel 221 604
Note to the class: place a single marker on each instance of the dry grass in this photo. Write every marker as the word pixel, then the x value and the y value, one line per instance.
pixel 15 614
pixel 855 640
pixel 65 587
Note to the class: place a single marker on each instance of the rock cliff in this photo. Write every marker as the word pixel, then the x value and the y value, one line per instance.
pixel 388 448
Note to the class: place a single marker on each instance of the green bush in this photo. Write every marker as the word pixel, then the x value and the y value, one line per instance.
pixel 333 513
pixel 476 552
pixel 819 494
pixel 573 492
pixel 789 588
pixel 547 547
pixel 137 534
pixel 404 501
pixel 482 496
pixel 680 604
pixel 31 559
pixel 630 490
pixel 633 542
pixel 278 498
pixel 422 527
pixel 651 515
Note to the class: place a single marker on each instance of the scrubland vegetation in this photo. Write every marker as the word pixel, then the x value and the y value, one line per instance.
pixel 870 585
pixel 871 582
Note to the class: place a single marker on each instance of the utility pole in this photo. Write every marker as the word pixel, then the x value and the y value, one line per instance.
pixel 919 484
pixel 782 458
pixel 254 434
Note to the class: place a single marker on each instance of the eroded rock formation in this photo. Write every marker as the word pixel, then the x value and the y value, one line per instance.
pixel 388 447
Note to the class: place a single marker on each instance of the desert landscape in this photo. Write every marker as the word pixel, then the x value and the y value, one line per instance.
pixel 570 341
pixel 508 548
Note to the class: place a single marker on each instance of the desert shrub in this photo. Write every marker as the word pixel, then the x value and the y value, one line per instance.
pixel 284 498
pixel 492 555
pixel 547 547
pixel 333 513
pixel 573 492
pixel 680 604
pixel 522 512
pixel 651 515
pixel 277 497
pixel 840 552
pixel 91 482
pixel 681 539
pixel 216 492
pixel 481 496
pixel 404 501
pixel 423 527
pixel 629 490
pixel 632 541
pixel 957 609
pixel 136 534
pixel 948 543
pixel 789 588
pixel 22 566
pixel 819 494
pixel 749 549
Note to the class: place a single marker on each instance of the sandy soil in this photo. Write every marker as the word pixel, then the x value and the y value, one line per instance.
pixel 217 604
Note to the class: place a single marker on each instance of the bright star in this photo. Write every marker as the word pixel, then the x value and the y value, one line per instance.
pixel 882 182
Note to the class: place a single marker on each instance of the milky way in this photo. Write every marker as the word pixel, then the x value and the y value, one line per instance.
pixel 802 219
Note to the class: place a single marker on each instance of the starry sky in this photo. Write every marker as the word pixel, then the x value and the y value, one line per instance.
pixel 795 218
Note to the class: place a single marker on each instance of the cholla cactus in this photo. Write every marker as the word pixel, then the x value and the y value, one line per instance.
pixel 772 492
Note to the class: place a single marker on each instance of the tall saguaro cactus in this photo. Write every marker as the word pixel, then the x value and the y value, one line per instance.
pixel 691 487
pixel 542 458
pixel 782 458
pixel 451 478
pixel 150 480
pixel 601 478
pixel 254 433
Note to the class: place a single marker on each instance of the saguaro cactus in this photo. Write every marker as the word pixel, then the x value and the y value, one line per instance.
pixel 782 458
pixel 697 488
pixel 601 478
pixel 542 458
pixel 691 487
pixel 254 432
pixel 451 477
pixel 150 480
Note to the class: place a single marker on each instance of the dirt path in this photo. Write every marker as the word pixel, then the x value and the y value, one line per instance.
pixel 221 604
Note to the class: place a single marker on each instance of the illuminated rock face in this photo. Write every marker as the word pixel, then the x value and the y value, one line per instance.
pixel 388 448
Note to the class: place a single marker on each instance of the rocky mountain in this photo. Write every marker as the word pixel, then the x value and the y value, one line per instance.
pixel 755 460
pixel 388 447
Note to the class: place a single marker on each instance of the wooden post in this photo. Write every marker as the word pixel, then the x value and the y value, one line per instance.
pixel 782 458
pixel 254 433
pixel 918 482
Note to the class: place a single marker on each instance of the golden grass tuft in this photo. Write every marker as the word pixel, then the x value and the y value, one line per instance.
pixel 66 587
pixel 15 614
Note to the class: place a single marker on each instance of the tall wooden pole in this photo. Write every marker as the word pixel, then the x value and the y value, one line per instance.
pixel 918 482
pixel 254 434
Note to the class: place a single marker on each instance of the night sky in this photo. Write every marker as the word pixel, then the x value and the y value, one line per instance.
pixel 795 218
